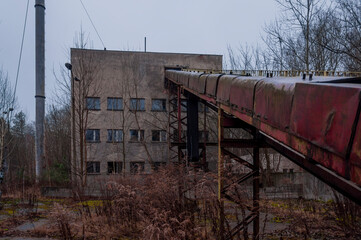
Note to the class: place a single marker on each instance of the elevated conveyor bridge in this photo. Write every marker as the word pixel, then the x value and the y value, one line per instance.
pixel 312 120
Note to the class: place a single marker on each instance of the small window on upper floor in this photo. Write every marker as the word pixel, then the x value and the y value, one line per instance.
pixel 92 135
pixel 115 104
pixel 159 105
pixel 115 135
pixel 93 103
pixel 137 104
pixel 159 135
pixel 136 135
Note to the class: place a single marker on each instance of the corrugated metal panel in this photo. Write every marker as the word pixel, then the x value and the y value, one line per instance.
pixel 224 88
pixel 211 85
pixel 242 94
pixel 171 75
pixel 273 102
pixel 197 82
pixel 183 78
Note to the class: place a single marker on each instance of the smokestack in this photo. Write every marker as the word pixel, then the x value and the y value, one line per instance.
pixel 39 87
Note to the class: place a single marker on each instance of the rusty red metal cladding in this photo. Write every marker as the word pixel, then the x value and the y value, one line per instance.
pixel 194 82
pixel 324 114
pixel 242 94
pixel 211 85
pixel 273 101
pixel 224 88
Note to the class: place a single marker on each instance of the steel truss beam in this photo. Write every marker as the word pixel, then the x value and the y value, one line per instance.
pixel 340 184
pixel 225 121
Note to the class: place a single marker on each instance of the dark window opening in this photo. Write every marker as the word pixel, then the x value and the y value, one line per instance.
pixel 159 105
pixel 115 167
pixel 92 135
pixel 115 104
pixel 115 135
pixel 137 104
pixel 93 167
pixel 93 103
pixel 159 136
pixel 136 135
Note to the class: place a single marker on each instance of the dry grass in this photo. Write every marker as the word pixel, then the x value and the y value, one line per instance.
pixel 177 203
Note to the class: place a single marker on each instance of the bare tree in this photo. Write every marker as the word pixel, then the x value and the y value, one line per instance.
pixel 344 33
pixel 6 104
pixel 83 84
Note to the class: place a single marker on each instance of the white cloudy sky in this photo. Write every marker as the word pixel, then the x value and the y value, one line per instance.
pixel 183 26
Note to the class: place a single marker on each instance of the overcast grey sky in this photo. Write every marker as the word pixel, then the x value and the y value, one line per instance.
pixel 198 26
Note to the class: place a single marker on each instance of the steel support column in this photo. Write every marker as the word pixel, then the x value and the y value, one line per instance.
pixel 176 122
pixel 192 129
pixel 255 210
pixel 220 175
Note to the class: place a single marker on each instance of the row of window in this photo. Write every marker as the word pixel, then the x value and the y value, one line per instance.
pixel 138 104
pixel 117 167
pixel 116 104
pixel 201 106
pixel 116 135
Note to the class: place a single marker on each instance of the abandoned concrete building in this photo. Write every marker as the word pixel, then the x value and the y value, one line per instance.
pixel 121 108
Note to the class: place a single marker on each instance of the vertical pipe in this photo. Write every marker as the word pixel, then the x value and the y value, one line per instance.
pixel 220 174
pixel 256 190
pixel 39 86
pixel 74 168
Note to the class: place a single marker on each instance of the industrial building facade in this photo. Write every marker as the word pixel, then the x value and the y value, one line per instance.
pixel 120 110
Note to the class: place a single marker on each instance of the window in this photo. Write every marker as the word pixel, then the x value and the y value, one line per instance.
pixel 93 167
pixel 115 135
pixel 137 104
pixel 136 167
pixel 159 105
pixel 93 103
pixel 136 135
pixel 115 104
pixel 92 135
pixel 159 136
pixel 203 136
pixel 183 104
pixel 114 167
